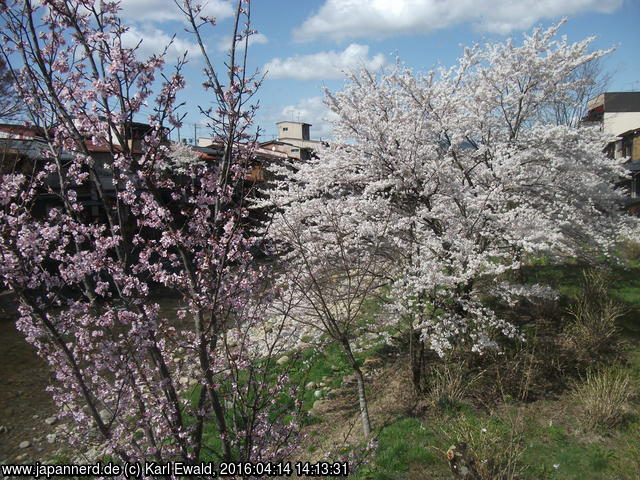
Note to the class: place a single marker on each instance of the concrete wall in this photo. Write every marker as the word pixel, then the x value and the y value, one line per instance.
pixel 291 130
pixel 616 123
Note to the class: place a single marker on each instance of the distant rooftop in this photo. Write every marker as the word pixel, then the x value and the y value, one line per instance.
pixel 616 102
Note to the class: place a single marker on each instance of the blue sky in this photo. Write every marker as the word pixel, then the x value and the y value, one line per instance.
pixel 305 44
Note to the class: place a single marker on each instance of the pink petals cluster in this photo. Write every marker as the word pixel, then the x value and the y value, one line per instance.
pixel 142 217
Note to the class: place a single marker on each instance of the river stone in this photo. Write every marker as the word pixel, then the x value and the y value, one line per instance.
pixel 51 438
pixel 317 394
pixel 372 363
pixel 104 415
pixel 25 444
pixel 50 420
pixel 310 385
pixel 282 360
pixel 348 379
pixel 318 404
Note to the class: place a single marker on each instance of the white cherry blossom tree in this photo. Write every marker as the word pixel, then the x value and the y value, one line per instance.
pixel 473 177
pixel 335 264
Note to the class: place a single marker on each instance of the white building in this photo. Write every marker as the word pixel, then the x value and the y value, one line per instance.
pixel 618 112
pixel 294 140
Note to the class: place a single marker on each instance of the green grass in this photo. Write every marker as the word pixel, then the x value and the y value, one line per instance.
pixel 402 446
pixel 554 452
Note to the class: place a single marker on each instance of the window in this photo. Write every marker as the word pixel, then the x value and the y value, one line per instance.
pixel 635 186
pixel 627 146
pixel 295 150
pixel 285 129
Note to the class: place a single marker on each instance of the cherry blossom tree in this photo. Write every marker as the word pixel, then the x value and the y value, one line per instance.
pixel 473 177
pixel 130 378
pixel 334 265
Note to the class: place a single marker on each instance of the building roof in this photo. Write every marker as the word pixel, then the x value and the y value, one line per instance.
pixel 616 102
pixel 212 151
pixel 22 131
pixel 633 131
pixel 297 123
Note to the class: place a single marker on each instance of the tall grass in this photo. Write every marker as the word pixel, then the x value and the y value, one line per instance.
pixel 603 396
pixel 594 333
pixel 450 383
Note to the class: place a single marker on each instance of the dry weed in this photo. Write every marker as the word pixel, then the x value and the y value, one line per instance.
pixel 593 332
pixel 602 397
pixel 450 383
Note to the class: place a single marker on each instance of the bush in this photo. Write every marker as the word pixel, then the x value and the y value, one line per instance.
pixel 630 250
pixel 497 445
pixel 449 384
pixel 593 333
pixel 529 367
pixel 603 396
pixel 524 370
pixel 593 330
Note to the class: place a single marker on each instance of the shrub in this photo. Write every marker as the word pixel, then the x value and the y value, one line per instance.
pixel 593 333
pixel 497 445
pixel 524 370
pixel 630 250
pixel 450 383
pixel 602 397
pixel 593 330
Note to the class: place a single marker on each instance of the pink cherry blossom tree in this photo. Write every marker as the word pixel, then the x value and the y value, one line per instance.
pixel 472 175
pixel 131 379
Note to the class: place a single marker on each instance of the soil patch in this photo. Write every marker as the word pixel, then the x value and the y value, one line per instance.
pixel 24 401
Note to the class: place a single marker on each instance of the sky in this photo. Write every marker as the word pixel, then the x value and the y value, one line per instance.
pixel 304 46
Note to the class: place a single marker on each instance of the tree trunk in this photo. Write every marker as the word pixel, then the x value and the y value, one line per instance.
pixel 362 397
pixel 362 394
pixel 416 354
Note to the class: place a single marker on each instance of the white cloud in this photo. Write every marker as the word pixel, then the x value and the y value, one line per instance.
pixel 256 38
pixel 342 19
pixel 324 65
pixel 155 40
pixel 167 10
